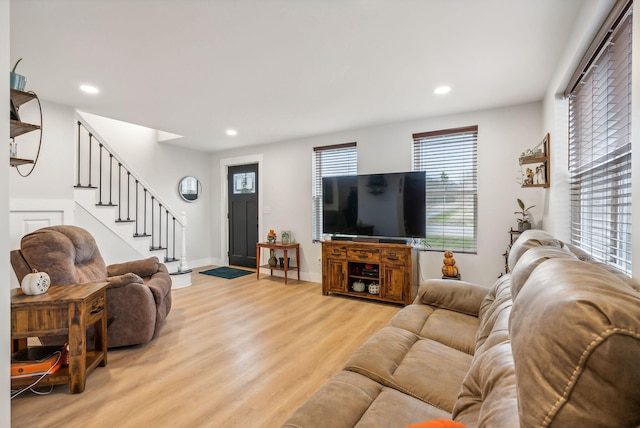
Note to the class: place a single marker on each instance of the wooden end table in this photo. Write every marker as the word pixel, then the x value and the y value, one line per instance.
pixel 63 309
pixel 283 247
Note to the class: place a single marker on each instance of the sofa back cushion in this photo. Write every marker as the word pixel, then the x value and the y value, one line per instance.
pixel 575 333
pixel 488 396
pixel 69 254
pixel 530 239
pixel 530 260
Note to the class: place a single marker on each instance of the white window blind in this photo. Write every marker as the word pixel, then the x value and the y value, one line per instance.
pixel 600 150
pixel 449 159
pixel 329 161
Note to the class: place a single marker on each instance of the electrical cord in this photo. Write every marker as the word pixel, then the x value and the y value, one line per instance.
pixel 16 392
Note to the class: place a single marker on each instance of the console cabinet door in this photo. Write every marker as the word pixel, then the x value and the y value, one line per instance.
pixel 393 279
pixel 334 277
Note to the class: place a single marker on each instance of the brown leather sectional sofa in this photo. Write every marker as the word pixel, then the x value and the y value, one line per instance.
pixel 555 343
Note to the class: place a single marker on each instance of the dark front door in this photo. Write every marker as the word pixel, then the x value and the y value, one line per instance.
pixel 243 214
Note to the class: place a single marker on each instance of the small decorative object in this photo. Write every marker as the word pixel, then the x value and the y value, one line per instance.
pixel 282 262
pixel 273 261
pixel 271 237
pixel 529 178
pixel 285 236
pixel 359 286
pixel 13 148
pixel 523 221
pixel 17 81
pixel 449 269
pixel 374 288
pixel 35 283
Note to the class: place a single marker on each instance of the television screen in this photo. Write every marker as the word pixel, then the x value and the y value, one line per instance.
pixel 382 205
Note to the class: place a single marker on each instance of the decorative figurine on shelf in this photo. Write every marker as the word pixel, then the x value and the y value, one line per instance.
pixel 273 261
pixel 529 179
pixel 450 270
pixel 271 237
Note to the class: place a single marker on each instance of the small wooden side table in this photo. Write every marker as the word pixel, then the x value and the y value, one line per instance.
pixel 283 247
pixel 63 309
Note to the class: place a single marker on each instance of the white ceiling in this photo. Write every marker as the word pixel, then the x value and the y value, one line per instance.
pixel 284 69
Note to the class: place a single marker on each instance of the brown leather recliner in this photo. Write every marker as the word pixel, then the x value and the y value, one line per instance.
pixel 139 293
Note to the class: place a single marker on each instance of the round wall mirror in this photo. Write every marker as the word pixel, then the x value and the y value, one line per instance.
pixel 189 189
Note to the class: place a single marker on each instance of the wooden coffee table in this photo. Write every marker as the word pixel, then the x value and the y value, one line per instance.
pixel 68 310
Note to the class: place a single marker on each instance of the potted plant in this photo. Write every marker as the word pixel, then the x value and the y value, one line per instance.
pixel 523 221
pixel 17 81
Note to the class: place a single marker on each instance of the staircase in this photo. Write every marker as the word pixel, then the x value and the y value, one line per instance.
pixel 110 193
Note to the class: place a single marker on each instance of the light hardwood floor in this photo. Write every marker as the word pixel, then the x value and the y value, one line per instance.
pixel 233 353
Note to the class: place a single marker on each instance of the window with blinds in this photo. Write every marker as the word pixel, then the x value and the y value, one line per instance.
pixel 449 159
pixel 329 161
pixel 600 149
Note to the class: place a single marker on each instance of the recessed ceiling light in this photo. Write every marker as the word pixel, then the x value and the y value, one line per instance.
pixel 440 90
pixel 89 89
pixel 232 132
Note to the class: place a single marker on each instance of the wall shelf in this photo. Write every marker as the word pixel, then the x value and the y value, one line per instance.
pixel 18 128
pixel 540 176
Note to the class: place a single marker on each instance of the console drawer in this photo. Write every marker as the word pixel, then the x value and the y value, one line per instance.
pixel 335 252
pixel 394 256
pixel 95 307
pixel 364 255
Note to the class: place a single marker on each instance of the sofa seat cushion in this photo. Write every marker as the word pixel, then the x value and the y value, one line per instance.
pixel 488 397
pixel 422 368
pixel 447 327
pixel 575 333
pixel 351 400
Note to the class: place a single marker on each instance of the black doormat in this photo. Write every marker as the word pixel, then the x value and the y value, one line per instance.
pixel 227 272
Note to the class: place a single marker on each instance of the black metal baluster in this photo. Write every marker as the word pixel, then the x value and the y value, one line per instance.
pixel 79 183
pixel 159 225
pixel 174 238
pixel 128 196
pixel 90 159
pixel 119 191
pixel 100 176
pixel 152 224
pixel 136 234
pixel 110 179
pixel 166 225
pixel 144 215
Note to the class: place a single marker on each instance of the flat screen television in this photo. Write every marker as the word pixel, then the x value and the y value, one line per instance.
pixel 388 205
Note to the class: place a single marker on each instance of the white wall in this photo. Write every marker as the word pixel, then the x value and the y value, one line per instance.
pixel 5 307
pixel 53 175
pixel 555 117
pixel 502 135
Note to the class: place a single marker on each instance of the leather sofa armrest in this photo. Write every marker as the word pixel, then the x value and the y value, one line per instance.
pixel 143 268
pixel 458 296
pixel 122 280
pixel 20 266
pixel 160 285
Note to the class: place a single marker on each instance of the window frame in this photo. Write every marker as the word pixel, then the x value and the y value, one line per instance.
pixel 429 153
pixel 600 124
pixel 340 159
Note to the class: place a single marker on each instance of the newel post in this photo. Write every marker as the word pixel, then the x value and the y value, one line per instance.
pixel 182 267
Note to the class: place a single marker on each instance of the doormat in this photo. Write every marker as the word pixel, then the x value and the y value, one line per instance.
pixel 227 272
